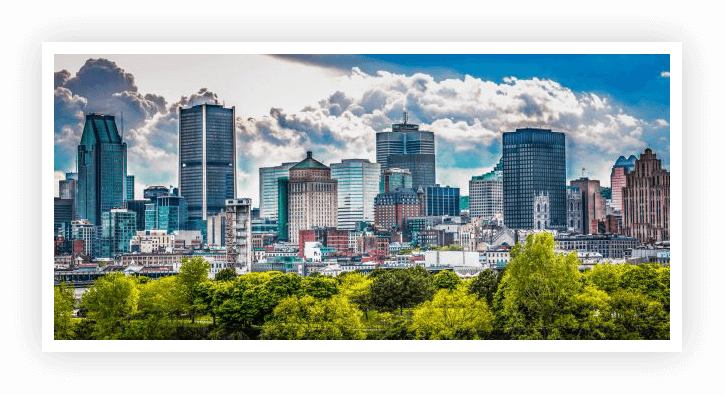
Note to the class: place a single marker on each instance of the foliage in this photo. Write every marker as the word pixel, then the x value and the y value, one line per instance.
pixel 404 252
pixel 226 274
pixel 446 279
pixel 110 302
pixel 485 284
pixel 637 317
pixel 63 302
pixel 309 318
pixel 401 288
pixel 159 304
pixel 452 314
pixel 319 286
pixel 191 273
pixel 451 247
pixel 390 326
pixel 540 285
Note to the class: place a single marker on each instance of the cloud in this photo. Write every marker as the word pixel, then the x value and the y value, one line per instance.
pixel 665 74
pixel 468 116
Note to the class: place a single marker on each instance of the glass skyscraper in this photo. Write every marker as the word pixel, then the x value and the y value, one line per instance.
pixel 442 201
pixel 101 164
pixel 130 181
pixel 358 182
pixel 534 162
pixel 406 147
pixel 268 195
pixel 118 227
pixel 283 208
pixel 167 213
pixel 207 160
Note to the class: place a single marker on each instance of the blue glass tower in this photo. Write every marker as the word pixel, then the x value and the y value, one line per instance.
pixel 101 164
pixel 207 161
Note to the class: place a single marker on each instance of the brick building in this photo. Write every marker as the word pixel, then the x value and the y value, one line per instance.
pixel 646 200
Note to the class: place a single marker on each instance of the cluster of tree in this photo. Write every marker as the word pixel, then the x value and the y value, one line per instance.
pixel 541 295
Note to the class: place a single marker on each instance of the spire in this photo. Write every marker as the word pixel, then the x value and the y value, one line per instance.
pixel 405 117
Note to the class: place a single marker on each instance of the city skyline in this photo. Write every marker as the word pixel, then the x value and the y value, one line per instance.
pixel 466 107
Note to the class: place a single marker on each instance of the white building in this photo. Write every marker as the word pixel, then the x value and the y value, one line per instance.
pixel 239 233
pixel 156 240
pixel 451 258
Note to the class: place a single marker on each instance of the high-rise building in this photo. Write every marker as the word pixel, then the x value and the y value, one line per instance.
pixel 646 200
pixel 618 178
pixel 117 229
pixel 407 147
pixel 534 161
pixel 63 215
pixel 358 182
pixel 101 165
pixel 138 207
pixel 216 229
pixel 167 213
pixel 239 233
pixel 207 160
pixel 594 206
pixel 155 191
pixel 486 194
pixel 392 179
pixel 83 230
pixel 442 201
pixel 68 189
pixel 130 182
pixel 268 177
pixel 283 208
pixel 312 197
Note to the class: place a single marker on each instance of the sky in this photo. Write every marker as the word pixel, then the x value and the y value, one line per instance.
pixel 332 105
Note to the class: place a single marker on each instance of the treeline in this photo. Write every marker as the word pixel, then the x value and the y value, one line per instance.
pixel 541 295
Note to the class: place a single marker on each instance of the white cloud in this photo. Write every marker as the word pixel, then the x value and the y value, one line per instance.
pixel 665 74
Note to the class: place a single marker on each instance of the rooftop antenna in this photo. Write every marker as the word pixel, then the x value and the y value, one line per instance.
pixel 405 117
pixel 583 172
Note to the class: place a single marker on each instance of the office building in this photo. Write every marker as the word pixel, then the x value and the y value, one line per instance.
pixel 207 160
pixel 63 215
pixel 407 147
pixel 618 178
pixel 168 213
pixel 534 162
pixel 130 182
pixel 312 197
pixel 216 229
pixel 392 179
pixel 268 188
pixel 117 229
pixel 486 194
pixel 442 201
pixel 154 191
pixel 358 182
pixel 283 208
pixel 610 246
pixel 101 165
pixel 646 200
pixel 138 207
pixel 67 189
pixel 82 230
pixel 239 233
pixel 392 208
pixel 594 206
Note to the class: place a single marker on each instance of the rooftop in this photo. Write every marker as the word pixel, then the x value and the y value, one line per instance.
pixel 309 163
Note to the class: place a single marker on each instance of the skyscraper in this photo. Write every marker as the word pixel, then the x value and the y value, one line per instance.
pixel 392 179
pixel 442 201
pixel 117 230
pixel 283 208
pixel 63 215
pixel 406 147
pixel 207 160
pixel 155 191
pixel 129 187
pixel 101 165
pixel 268 195
pixel 312 197
pixel 593 204
pixel 618 178
pixel 646 200
pixel 534 162
pixel 358 182
pixel 168 213
pixel 486 194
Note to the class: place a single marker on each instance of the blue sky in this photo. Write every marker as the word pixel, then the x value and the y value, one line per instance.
pixel 608 105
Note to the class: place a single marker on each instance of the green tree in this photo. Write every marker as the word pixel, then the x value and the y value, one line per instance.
pixel 226 274
pixel 452 314
pixel 446 279
pixel 159 305
pixel 308 318
pixel 390 326
pixel 355 287
pixel 485 284
pixel 63 302
pixel 319 286
pixel 540 285
pixel 111 302
pixel 191 273
pixel 637 317
pixel 401 288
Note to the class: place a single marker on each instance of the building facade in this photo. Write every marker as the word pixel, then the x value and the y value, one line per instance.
pixel 594 206
pixel 646 200
pixel 312 197
pixel 63 215
pixel 534 161
pixel 239 233
pixel 138 207
pixel 269 189
pixel 486 194
pixel 358 182
pixel 101 164
pixel 392 208
pixel 130 184
pixel 618 178
pixel 118 228
pixel 82 230
pixel 394 178
pixel 610 246
pixel 407 147
pixel 442 201
pixel 283 208
pixel 540 208
pixel 207 160
pixel 154 191
pixel 574 209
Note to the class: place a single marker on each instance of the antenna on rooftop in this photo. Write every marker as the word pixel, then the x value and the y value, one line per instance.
pixel 583 172
pixel 405 117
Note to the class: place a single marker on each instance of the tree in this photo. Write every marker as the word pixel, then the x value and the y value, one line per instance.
pixel 540 285
pixel 307 318
pixel 191 273
pixel 226 274
pixel 401 288
pixel 355 287
pixel 63 302
pixel 111 302
pixel 319 286
pixel 452 314
pixel 637 317
pixel 485 284
pixel 159 304
pixel 446 279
